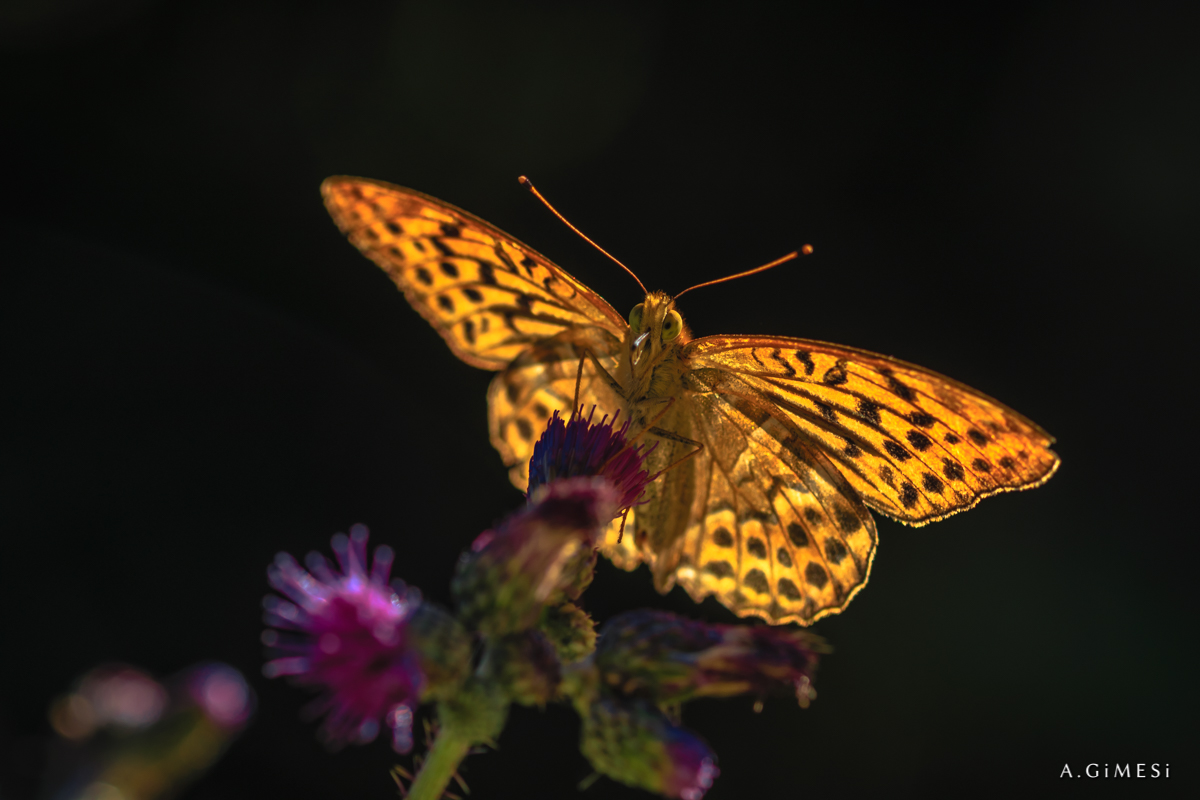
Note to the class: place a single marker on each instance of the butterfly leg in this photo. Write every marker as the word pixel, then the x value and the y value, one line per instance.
pixel 675 437
pixel 613 383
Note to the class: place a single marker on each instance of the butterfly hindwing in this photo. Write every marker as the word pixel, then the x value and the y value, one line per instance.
pixel 540 381
pixel 914 445
pixel 487 294
pixel 775 530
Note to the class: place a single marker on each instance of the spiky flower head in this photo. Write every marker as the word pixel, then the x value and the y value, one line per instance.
pixel 671 659
pixel 631 741
pixel 542 554
pixel 577 447
pixel 346 632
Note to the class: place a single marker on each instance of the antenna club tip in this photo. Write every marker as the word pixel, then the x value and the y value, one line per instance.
pixel 525 182
pixel 806 250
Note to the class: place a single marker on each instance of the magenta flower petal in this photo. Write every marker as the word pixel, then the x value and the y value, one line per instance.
pixel 579 448
pixel 344 631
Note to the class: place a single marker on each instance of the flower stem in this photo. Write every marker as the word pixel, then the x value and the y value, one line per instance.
pixel 441 762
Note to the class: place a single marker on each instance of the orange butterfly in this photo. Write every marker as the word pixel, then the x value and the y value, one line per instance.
pixel 793 439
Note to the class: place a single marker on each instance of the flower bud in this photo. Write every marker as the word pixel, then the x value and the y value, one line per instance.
pixel 570 630
pixel 634 743
pixel 541 555
pixel 525 666
pixel 671 659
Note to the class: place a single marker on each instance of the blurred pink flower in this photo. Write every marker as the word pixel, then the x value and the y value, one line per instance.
pixel 346 633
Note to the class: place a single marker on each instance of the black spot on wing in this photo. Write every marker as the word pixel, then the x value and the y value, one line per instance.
pixel 781 361
pixel 899 389
pixel 827 411
pixel 449 269
pixel 1008 463
pixel 783 557
pixel 525 429
pixel 908 495
pixel 980 465
pixel 921 419
pixel 720 569
pixel 487 273
pixel 424 277
pixel 896 451
pixel 757 581
pixel 868 410
pixel 757 547
pixel 450 231
pixel 919 441
pixel 446 303
pixel 951 438
pixel 473 295
pixel 788 589
pixel 814 573
pixel 846 520
pixel 835 551
pixel 805 358
pixel 469 331
pixel 977 437
pixel 851 449
pixel 888 477
pixel 932 483
pixel 813 516
pixel 722 537
pixel 796 533
pixel 952 469
pixel 835 375
pixel 393 227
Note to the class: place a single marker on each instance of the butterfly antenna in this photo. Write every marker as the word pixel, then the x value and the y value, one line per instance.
pixel 528 184
pixel 803 251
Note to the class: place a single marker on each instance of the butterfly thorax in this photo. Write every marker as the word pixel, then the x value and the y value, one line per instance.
pixel 651 367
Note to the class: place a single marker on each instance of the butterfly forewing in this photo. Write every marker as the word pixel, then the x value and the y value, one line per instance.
pixel 914 445
pixel 488 295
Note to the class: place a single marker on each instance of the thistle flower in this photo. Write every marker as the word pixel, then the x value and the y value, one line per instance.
pixel 577 447
pixel 542 554
pixel 671 659
pixel 347 633
pixel 634 743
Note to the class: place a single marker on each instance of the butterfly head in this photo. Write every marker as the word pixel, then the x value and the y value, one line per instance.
pixel 656 330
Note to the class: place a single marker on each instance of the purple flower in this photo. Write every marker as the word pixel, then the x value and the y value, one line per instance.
pixel 347 633
pixel 672 659
pixel 633 742
pixel 579 448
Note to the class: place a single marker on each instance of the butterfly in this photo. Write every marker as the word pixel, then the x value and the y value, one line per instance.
pixel 793 441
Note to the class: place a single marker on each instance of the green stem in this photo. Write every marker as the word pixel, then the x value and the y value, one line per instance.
pixel 441 762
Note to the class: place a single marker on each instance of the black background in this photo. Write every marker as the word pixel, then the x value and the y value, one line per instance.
pixel 199 371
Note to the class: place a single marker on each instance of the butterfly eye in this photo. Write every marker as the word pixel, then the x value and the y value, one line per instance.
pixel 672 325
pixel 635 316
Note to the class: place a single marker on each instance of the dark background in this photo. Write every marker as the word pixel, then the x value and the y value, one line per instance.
pixel 199 371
